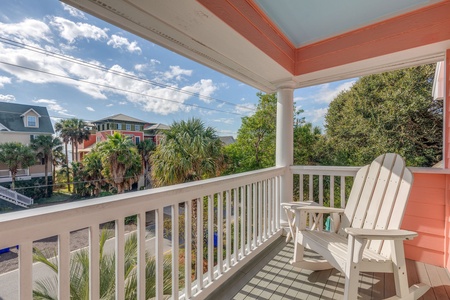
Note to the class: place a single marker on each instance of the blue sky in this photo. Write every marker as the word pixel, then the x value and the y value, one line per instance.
pixel 120 73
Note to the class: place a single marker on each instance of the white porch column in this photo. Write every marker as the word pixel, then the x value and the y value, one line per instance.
pixel 285 141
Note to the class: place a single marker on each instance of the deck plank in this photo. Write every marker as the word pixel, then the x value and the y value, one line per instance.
pixel 273 277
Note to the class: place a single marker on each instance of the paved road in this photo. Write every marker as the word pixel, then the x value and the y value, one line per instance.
pixel 9 280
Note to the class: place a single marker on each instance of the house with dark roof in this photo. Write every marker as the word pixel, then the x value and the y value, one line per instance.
pixel 22 123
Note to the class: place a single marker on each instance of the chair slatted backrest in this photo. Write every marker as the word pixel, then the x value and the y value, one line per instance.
pixel 378 198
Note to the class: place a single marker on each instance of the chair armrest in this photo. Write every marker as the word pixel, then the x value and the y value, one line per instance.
pixel 319 209
pixel 381 234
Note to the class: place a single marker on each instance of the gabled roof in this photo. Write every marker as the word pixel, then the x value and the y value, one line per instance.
pixel 30 110
pixel 157 126
pixel 11 117
pixel 120 117
pixel 227 140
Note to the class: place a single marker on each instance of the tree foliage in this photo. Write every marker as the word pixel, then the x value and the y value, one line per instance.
pixel 189 151
pixel 388 112
pixel 15 156
pixel 120 160
pixel 44 145
pixel 256 141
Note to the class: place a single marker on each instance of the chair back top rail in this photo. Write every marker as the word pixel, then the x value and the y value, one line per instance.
pixel 325 170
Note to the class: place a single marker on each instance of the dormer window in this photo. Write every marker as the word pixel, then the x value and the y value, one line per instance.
pixel 128 127
pixel 31 121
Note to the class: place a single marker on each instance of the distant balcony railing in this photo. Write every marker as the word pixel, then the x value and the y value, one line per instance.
pixel 235 218
pixel 20 172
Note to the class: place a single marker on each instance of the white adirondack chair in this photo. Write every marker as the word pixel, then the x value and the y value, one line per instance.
pixel 368 238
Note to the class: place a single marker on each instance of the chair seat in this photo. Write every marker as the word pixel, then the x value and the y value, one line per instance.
pixel 334 248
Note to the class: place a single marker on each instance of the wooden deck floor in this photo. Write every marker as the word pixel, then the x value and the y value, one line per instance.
pixel 270 276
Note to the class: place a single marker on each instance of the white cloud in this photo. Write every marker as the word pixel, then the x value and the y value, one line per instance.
pixel 122 43
pixel 26 31
pixel 316 116
pixel 224 120
pixel 149 66
pixel 90 108
pixel 176 72
pixel 122 102
pixel 71 31
pixel 109 105
pixel 7 98
pixel 326 94
pixel 74 12
pixel 53 105
pixel 4 80
pixel 245 109
pixel 296 99
pixel 204 88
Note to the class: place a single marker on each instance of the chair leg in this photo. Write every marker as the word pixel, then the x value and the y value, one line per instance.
pixel 354 254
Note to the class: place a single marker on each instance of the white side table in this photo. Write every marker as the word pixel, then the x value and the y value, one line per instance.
pixel 289 208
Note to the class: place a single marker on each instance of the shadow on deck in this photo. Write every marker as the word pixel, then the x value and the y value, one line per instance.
pixel 270 276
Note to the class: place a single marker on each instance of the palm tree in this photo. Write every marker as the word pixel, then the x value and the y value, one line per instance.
pixel 80 133
pixel 93 168
pixel 63 128
pixel 121 161
pixel 44 145
pixel 15 155
pixel 146 149
pixel 79 273
pixel 189 151
pixel 58 159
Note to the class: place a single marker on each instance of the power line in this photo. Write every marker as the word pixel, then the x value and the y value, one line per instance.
pixel 129 76
pixel 116 88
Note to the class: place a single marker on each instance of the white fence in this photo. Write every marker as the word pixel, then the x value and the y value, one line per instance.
pixel 14 197
pixel 242 211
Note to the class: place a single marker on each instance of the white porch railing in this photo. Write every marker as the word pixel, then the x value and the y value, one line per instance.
pixel 14 197
pixel 322 183
pixel 242 210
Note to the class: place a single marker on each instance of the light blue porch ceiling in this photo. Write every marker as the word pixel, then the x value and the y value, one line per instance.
pixel 308 21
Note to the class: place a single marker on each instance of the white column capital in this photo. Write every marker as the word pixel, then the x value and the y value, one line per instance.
pixel 288 84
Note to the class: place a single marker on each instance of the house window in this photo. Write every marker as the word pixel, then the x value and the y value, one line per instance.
pixel 32 137
pixel 31 121
pixel 137 127
pixel 119 126
pixel 128 126
pixel 42 161
pixel 137 140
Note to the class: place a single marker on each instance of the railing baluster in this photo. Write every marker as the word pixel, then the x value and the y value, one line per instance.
pixel 311 188
pixel 141 261
pixel 219 233
pixel 187 248
pixel 242 204
pixel 94 262
pixel 255 218
pixel 277 202
pixel 210 238
pixel 342 191
pixel 249 218
pixel 228 225
pixel 260 197
pixel 64 265
pixel 321 189
pixel 159 220
pixel 199 244
pixel 175 251
pixel 236 225
pixel 331 191
pixel 264 211
pixel 26 270
pixel 300 184
pixel 120 267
